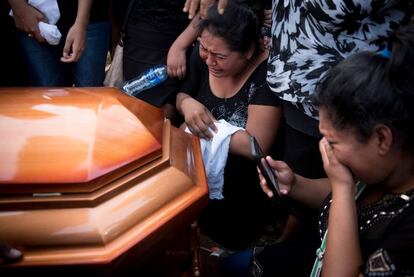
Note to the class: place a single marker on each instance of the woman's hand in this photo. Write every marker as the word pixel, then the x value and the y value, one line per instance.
pixel 74 44
pixel 192 6
pixel 267 18
pixel 198 118
pixel 27 18
pixel 285 177
pixel 176 62
pixel 339 175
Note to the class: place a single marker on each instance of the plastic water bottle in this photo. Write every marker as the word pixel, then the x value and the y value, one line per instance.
pixel 148 79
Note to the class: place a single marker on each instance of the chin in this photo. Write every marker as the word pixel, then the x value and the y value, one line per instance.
pixel 216 73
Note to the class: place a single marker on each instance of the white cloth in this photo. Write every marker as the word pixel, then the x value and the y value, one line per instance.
pixel 50 10
pixel 50 32
pixel 215 152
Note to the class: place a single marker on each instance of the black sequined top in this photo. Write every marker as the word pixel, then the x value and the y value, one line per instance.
pixel 386 233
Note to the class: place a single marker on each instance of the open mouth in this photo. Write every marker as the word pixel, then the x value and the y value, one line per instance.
pixel 213 71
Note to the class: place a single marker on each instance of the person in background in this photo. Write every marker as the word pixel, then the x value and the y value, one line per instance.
pixel 157 33
pixel 366 105
pixel 80 56
pixel 14 73
pixel 308 38
pixel 226 82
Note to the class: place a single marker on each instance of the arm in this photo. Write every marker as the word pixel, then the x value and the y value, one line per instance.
pixel 176 59
pixel 343 237
pixel 196 116
pixel 263 123
pixel 192 6
pixel 310 192
pixel 26 18
pixel 75 40
pixel 115 25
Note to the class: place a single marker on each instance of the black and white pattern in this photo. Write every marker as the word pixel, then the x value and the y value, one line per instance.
pixel 310 36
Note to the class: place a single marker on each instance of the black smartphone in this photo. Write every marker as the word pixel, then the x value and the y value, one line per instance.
pixel 264 167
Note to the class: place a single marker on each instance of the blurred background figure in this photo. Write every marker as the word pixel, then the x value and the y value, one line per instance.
pixel 79 58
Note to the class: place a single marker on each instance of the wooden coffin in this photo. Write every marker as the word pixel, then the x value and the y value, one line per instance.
pixel 90 175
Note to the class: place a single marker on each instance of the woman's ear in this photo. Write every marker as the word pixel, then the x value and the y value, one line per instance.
pixel 383 138
pixel 250 51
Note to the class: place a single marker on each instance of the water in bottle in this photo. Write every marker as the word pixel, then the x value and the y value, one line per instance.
pixel 150 78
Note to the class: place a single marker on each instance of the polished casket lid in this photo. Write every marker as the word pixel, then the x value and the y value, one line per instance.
pixel 72 137
pixel 89 175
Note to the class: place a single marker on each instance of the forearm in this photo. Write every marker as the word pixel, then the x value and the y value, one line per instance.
pixel 343 238
pixel 17 5
pixel 84 9
pixel 263 123
pixel 240 144
pixel 115 25
pixel 311 192
pixel 188 36
pixel 180 98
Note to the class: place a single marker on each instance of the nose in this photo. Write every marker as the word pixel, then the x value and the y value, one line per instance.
pixel 210 60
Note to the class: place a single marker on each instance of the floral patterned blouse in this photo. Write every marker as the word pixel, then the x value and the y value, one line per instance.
pixel 310 36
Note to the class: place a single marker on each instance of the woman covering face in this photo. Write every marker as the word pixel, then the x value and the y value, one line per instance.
pixel 366 117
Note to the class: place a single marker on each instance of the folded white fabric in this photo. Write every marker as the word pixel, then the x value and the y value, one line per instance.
pixel 50 32
pixel 50 10
pixel 215 152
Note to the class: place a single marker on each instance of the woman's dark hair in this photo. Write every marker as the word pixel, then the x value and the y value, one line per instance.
pixel 368 88
pixel 238 26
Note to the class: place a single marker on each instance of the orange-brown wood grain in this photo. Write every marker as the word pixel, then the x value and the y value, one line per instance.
pixel 71 135
pixel 128 181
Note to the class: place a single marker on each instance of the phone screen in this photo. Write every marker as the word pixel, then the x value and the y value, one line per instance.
pixel 264 167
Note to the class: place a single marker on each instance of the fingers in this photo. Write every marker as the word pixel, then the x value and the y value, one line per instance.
pixel 38 36
pixel 203 126
pixel 186 7
pixel 176 71
pixel 204 5
pixel 66 51
pixel 69 56
pixel 198 118
pixel 285 176
pixel 267 18
pixel 181 72
pixel 221 6
pixel 326 151
pixel 41 17
pixel 263 184
pixel 191 6
pixel 76 52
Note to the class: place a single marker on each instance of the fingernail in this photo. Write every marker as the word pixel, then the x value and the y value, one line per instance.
pixel 221 11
